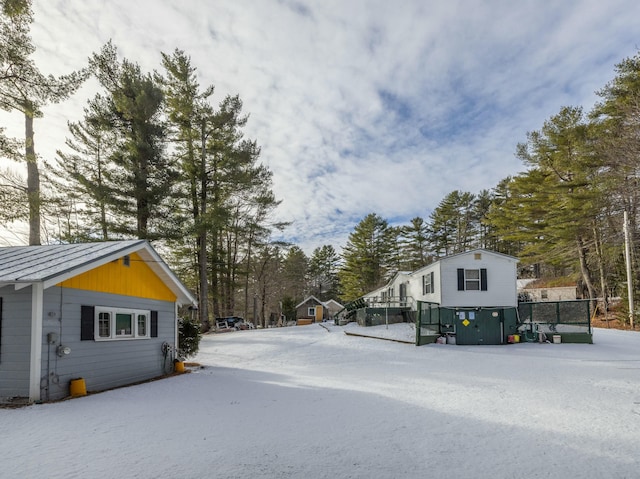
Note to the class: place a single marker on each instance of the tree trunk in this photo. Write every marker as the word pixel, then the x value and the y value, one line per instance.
pixel 584 269
pixel 601 269
pixel 33 179
pixel 203 300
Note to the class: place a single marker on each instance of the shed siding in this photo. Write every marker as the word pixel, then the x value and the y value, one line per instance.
pixel 16 342
pixel 102 364
pixel 135 279
pixel 303 310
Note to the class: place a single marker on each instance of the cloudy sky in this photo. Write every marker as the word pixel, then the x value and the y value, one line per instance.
pixel 359 106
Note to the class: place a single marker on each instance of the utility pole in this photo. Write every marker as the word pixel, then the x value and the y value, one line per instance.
pixel 627 258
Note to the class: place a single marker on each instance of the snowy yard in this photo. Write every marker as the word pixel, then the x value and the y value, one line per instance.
pixel 307 402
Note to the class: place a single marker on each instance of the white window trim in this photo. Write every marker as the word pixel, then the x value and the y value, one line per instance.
pixel 468 280
pixel 311 311
pixel 428 286
pixel 135 334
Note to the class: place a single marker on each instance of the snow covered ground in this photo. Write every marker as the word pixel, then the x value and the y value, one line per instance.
pixel 312 402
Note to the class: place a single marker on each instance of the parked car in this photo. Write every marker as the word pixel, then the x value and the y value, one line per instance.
pixel 233 322
pixel 245 325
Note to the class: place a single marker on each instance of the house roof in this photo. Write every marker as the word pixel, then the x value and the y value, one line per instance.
pixel 323 303
pixel 51 264
pixel 477 250
pixel 333 301
pixel 309 298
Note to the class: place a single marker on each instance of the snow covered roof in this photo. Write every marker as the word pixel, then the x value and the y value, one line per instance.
pixel 51 264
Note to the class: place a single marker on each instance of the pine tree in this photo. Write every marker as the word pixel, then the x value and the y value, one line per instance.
pixel 414 245
pixel 223 195
pixel 191 123
pixel 367 257
pixel 25 89
pixel 80 177
pixel 141 176
pixel 323 273
pixel 453 227
pixel 566 196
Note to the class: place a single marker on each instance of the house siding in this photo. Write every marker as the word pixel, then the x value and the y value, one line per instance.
pixel 415 286
pixel 501 281
pixel 102 364
pixel 15 345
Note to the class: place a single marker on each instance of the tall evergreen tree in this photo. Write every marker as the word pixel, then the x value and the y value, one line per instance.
pixel 453 226
pixel 80 177
pixel 323 273
pixel 367 257
pixel 141 176
pixel 414 245
pixel 24 88
pixel 295 268
pixel 223 193
pixel 560 154
pixel 191 123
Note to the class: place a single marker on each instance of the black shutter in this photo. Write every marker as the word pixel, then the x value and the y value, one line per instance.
pixel 87 323
pixel 483 279
pixel 154 324
pixel 433 285
pixel 460 279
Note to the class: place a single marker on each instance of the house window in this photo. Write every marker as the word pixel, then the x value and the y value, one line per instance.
pixel 428 286
pixel 544 294
pixel 312 311
pixel 472 279
pixel 121 323
pixel 126 260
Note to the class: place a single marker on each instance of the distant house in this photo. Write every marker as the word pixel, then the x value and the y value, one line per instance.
pixel 537 290
pixel 474 296
pixel 332 307
pixel 312 310
pixel 104 312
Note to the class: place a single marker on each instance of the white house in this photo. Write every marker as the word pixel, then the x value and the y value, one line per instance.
pixel 475 294
pixel 474 279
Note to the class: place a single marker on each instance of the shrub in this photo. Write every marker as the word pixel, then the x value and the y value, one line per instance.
pixel 189 336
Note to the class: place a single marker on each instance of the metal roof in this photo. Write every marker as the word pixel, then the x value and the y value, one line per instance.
pixel 51 264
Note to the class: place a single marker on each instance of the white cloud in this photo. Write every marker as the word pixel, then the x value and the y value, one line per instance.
pixel 360 106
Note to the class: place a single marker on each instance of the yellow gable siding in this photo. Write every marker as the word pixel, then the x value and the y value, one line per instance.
pixel 137 280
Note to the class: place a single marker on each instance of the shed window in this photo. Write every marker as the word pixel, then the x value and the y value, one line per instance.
pixel 104 324
pixel 121 323
pixel 142 324
pixel 312 311
pixel 124 324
